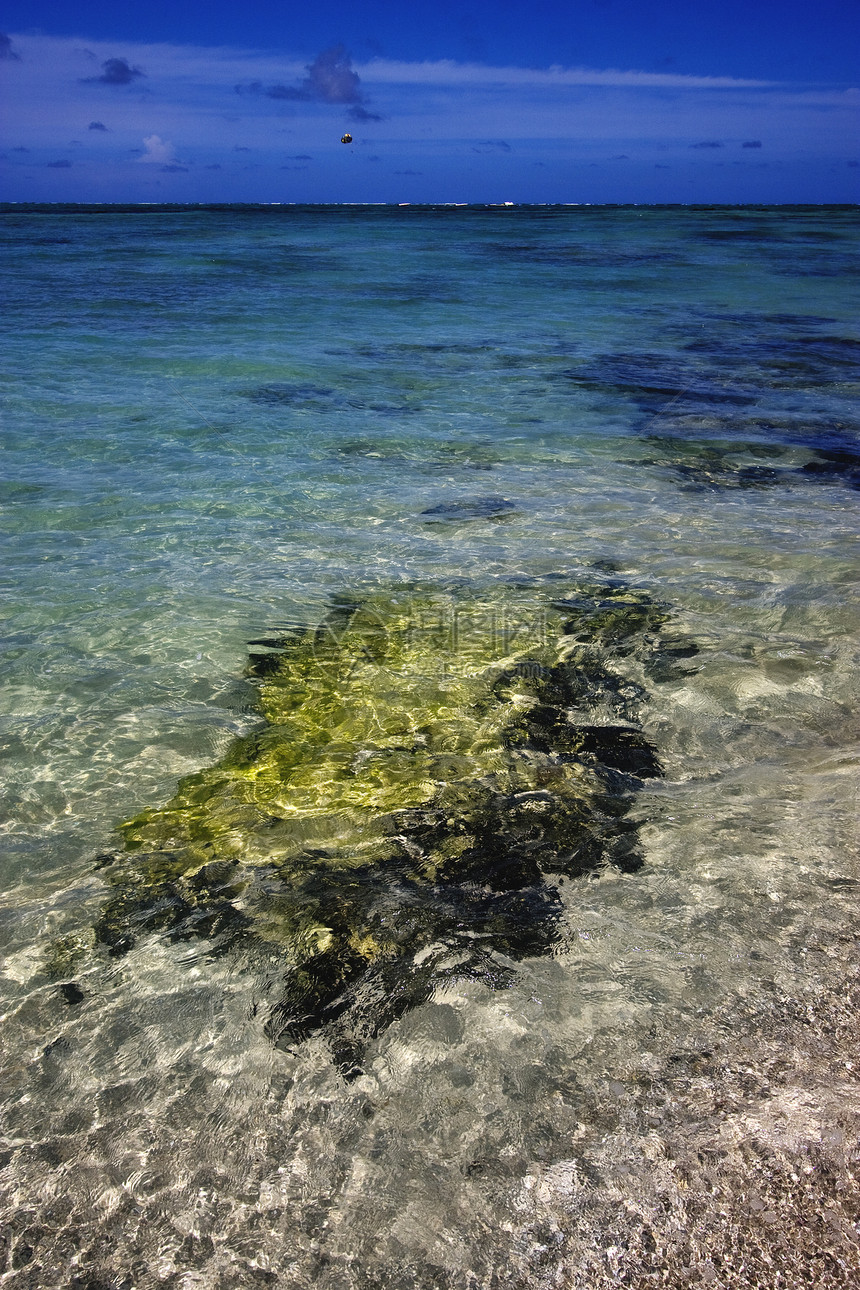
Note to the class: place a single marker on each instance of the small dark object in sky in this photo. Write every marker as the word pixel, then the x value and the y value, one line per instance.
pixel 346 138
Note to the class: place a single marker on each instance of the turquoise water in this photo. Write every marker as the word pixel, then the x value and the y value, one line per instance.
pixel 216 420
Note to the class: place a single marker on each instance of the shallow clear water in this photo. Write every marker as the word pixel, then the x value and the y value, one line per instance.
pixel 217 420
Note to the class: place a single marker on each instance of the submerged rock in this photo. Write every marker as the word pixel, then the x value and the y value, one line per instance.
pixel 657 382
pixel 836 463
pixel 288 393
pixel 431 762
pixel 469 508
pixel 701 464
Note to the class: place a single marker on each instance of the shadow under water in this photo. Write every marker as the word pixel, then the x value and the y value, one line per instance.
pixel 433 764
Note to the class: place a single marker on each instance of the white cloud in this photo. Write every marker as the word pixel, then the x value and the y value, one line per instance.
pixel 447 72
pixel 158 150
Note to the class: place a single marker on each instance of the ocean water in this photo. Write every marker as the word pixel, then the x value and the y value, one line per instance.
pixel 219 423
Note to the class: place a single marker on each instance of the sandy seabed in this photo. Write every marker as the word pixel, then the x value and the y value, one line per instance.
pixel 748 1169
pixel 731 1162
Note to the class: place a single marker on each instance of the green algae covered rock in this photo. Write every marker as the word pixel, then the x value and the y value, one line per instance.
pixel 430 761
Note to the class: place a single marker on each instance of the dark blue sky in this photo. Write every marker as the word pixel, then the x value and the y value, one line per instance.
pixel 774 39
pixel 588 100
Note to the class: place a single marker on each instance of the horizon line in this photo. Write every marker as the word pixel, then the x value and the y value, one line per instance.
pixel 495 205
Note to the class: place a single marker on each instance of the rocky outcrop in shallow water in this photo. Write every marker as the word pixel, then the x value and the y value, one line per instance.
pixel 432 765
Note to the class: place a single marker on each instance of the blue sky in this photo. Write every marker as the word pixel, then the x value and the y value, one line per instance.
pixel 588 100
